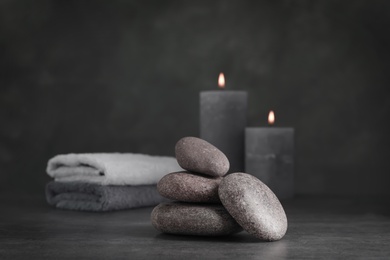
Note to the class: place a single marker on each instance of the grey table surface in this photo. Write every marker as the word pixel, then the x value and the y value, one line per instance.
pixel 318 229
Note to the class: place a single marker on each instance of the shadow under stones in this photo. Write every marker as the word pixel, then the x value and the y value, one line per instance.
pixel 241 237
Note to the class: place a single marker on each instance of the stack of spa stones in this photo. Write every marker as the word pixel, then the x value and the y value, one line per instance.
pixel 206 203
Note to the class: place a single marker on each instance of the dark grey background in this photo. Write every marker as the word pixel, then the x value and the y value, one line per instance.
pixel 106 76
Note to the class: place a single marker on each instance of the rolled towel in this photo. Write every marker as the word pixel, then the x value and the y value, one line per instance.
pixel 111 168
pixel 95 197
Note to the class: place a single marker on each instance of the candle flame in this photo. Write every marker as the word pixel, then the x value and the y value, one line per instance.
pixel 221 80
pixel 271 117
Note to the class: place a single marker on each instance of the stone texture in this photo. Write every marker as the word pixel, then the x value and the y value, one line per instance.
pixel 190 187
pixel 193 219
pixel 197 155
pixel 253 205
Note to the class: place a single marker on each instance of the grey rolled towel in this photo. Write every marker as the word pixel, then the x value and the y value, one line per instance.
pixel 94 197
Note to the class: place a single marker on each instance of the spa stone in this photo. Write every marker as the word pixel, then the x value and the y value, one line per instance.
pixel 197 155
pixel 253 205
pixel 190 187
pixel 193 219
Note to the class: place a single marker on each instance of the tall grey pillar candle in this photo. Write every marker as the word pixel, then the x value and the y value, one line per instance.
pixel 223 117
pixel 269 155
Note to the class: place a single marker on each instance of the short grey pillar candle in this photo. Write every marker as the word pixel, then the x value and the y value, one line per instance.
pixel 269 155
pixel 223 118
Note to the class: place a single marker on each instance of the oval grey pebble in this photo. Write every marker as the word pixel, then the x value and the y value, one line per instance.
pixel 254 206
pixel 197 155
pixel 193 219
pixel 189 187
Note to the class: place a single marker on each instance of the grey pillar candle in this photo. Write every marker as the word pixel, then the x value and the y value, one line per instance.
pixel 223 118
pixel 269 155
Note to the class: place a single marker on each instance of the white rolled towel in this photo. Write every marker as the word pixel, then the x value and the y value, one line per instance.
pixel 111 168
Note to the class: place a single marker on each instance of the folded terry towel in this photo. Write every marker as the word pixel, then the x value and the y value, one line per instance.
pixel 95 197
pixel 111 168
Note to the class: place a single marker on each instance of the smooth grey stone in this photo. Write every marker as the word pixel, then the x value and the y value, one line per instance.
pixel 193 219
pixel 189 187
pixel 253 205
pixel 197 155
